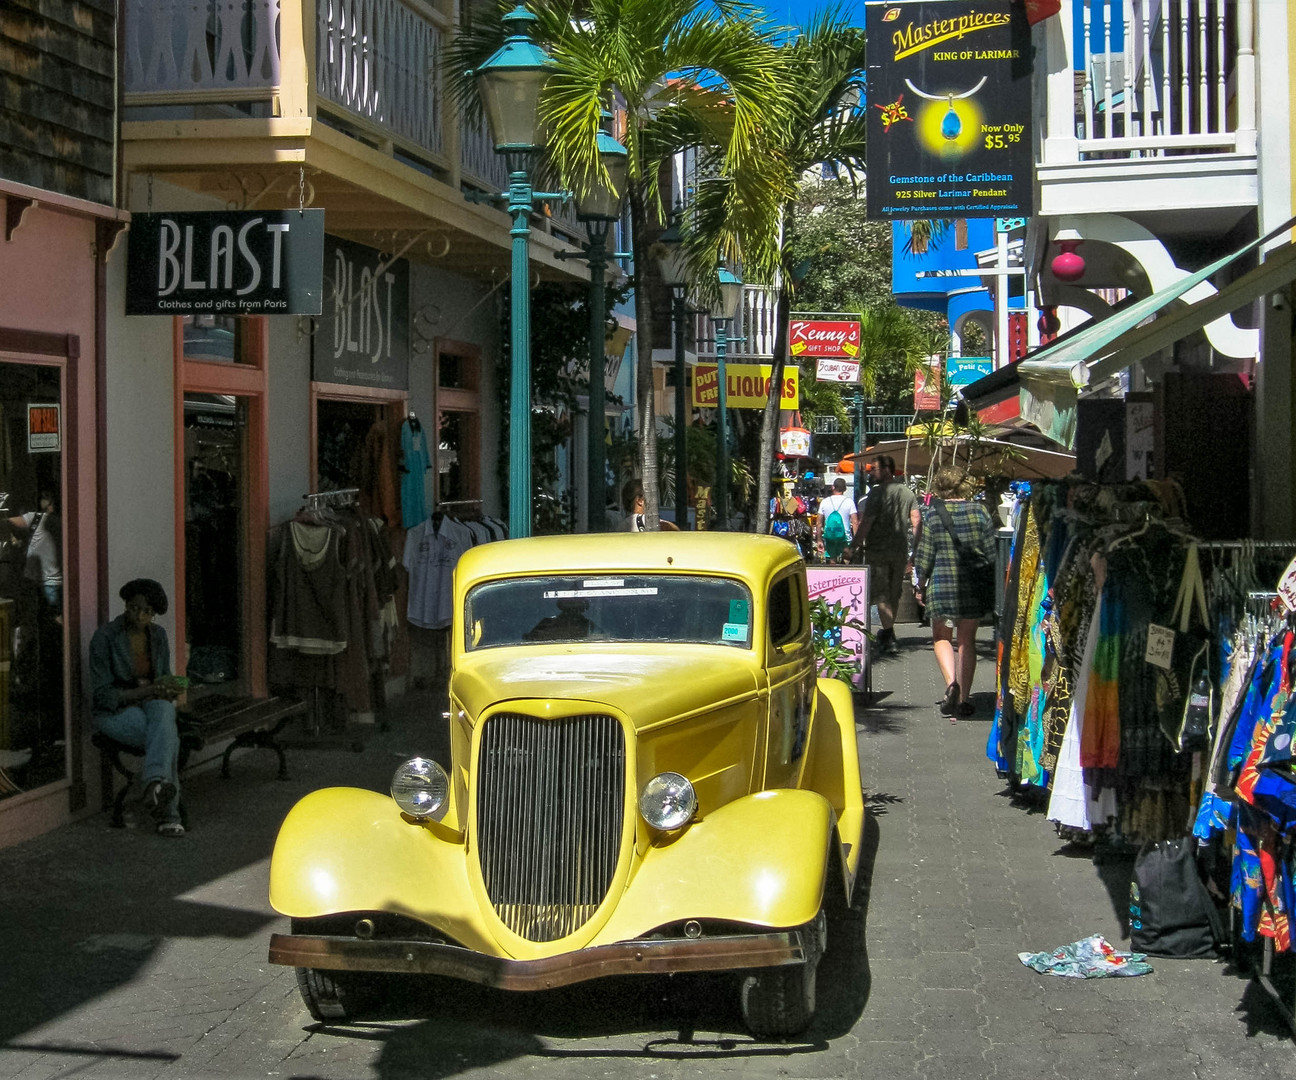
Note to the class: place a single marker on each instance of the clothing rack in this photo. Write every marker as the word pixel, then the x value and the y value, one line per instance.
pixel 443 503
pixel 339 496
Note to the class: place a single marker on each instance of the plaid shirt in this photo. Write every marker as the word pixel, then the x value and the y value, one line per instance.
pixel 936 562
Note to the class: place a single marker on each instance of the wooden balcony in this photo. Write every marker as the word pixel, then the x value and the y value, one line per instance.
pixel 1152 110
pixel 339 102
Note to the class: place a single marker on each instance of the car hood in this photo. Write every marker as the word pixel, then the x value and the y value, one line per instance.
pixel 669 682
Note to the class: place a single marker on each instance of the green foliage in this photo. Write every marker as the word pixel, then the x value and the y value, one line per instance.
pixel 848 256
pixel 833 659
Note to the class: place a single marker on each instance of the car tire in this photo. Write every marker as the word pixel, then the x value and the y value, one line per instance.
pixel 331 996
pixel 780 1001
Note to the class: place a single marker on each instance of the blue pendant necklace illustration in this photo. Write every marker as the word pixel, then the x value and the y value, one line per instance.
pixel 952 124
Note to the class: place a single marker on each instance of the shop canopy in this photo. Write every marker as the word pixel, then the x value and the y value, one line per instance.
pixel 1048 382
pixel 979 456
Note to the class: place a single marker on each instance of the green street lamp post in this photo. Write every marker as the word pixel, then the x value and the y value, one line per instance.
pixel 598 207
pixel 674 273
pixel 731 293
pixel 510 83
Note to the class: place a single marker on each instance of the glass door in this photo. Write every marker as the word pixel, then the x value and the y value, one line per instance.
pixel 215 549
pixel 33 720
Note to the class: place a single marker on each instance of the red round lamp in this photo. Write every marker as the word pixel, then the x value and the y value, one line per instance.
pixel 1067 265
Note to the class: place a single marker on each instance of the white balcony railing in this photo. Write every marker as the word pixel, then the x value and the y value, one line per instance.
pixel 222 50
pixel 380 61
pixel 1162 77
pixel 376 61
pixel 755 323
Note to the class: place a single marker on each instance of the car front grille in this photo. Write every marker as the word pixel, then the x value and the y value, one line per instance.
pixel 550 806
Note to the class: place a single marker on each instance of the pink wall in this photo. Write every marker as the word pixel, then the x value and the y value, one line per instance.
pixel 48 286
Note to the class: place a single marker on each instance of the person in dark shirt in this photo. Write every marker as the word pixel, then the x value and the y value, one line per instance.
pixel 133 694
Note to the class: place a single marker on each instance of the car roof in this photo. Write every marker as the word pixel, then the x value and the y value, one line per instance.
pixel 747 556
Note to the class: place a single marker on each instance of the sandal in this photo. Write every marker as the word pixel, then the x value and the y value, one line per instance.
pixel 170 828
pixel 950 701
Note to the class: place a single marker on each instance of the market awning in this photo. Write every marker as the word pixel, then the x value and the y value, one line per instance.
pixel 1049 382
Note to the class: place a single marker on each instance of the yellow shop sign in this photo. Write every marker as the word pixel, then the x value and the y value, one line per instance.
pixel 746 386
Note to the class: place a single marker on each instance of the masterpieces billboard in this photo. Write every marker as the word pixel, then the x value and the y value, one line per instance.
pixel 949 109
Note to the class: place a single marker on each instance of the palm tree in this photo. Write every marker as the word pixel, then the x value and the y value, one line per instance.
pixel 684 72
pixel 820 121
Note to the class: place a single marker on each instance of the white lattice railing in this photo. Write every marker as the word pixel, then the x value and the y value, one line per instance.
pixel 223 49
pixel 376 61
pixel 1170 76
pixel 380 61
pixel 754 322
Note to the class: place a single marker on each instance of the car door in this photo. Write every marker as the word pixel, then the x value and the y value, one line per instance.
pixel 790 669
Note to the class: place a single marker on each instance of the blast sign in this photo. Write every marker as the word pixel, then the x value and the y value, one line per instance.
pixel 949 109
pixel 363 338
pixel 235 262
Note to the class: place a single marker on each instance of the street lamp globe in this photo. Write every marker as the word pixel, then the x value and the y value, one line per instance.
pixel 731 293
pixel 670 256
pixel 510 83
pixel 601 201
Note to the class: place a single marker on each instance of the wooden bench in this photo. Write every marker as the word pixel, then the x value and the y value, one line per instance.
pixel 247 721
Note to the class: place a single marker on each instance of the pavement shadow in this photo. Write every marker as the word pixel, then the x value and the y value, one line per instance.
pixel 462 1027
pixel 85 908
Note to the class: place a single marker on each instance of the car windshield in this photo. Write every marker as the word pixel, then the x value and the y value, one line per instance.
pixel 688 608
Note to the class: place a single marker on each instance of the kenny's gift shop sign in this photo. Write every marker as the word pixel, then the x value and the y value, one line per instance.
pixel 226 262
pixel 949 109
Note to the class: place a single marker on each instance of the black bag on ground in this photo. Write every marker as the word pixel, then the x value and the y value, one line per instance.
pixel 1171 913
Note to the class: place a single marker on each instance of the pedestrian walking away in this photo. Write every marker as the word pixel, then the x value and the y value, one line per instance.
pixel 889 527
pixel 954 565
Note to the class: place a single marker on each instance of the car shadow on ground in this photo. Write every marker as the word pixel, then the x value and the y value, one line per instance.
pixel 461 1027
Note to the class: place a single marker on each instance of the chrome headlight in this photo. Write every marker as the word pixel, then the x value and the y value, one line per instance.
pixel 421 788
pixel 668 802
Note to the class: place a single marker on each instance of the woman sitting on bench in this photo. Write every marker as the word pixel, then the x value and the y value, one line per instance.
pixel 133 692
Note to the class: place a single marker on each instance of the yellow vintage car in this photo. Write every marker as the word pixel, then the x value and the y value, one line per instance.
pixel 646 775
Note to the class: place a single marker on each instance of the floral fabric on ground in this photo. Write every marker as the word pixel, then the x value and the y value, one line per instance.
pixel 1090 958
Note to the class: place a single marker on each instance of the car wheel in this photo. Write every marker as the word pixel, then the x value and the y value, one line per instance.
pixel 333 996
pixel 780 1001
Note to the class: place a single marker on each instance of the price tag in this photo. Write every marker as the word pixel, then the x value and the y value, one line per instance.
pixel 1287 586
pixel 1160 646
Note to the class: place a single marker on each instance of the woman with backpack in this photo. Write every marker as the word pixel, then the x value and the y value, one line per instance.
pixel 954 568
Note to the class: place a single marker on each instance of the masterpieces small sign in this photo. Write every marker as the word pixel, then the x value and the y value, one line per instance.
pixel 949 109
pixel 226 262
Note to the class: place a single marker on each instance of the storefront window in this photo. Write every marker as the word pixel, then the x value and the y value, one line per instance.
pixel 215 507
pixel 33 745
pixel 213 338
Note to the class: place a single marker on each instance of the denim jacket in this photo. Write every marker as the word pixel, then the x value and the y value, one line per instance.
pixel 112 669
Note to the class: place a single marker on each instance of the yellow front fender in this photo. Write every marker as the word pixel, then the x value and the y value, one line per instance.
pixel 759 860
pixel 347 849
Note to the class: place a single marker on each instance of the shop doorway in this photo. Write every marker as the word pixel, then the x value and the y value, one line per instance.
pixel 215 547
pixel 33 691
pixel 357 443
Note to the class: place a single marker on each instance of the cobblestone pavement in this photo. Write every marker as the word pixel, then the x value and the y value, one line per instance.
pixel 131 956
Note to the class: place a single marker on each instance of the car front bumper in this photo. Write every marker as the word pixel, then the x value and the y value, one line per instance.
pixel 648 957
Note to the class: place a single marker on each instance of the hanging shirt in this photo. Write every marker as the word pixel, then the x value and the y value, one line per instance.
pixel 414 458
pixel 431 552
